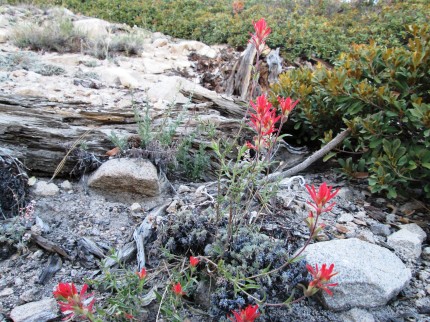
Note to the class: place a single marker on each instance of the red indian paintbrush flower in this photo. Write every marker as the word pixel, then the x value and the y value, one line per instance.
pixel 142 273
pixel 321 197
pixel 249 314
pixel 262 31
pixel 194 261
pixel 73 304
pixel 177 289
pixel 320 279
pixel 286 105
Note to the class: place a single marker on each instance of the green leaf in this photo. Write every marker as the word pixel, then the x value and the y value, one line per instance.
pixel 426 165
pixel 329 156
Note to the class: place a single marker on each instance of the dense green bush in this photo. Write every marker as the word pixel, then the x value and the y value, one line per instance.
pixel 320 28
pixel 382 94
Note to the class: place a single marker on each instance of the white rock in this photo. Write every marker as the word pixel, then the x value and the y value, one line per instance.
pixel 93 27
pixel 183 188
pixel 406 243
pixel 345 217
pixel 126 175
pixel 160 42
pixel 66 185
pixel 369 275
pixel 426 253
pixel 357 315
pixel 4 36
pixel 6 292
pixel 26 91
pixel 42 188
pixel 173 207
pixel 367 236
pixel 152 66
pixel 168 90
pixel 40 311
pixel 135 207
pixel 414 228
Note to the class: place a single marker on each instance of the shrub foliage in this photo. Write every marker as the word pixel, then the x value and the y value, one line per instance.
pixel 382 94
pixel 320 28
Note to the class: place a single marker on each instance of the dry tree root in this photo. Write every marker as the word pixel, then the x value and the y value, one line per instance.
pixel 311 159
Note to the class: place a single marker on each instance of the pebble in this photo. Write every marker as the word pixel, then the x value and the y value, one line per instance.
pixel 18 281
pixel 135 207
pixel 426 253
pixel 345 217
pixel 6 292
pixel 66 185
pixel 380 229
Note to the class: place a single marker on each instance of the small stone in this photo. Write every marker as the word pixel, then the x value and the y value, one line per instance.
pixel 18 281
pixel 6 292
pixel 345 193
pixel 135 207
pixel 359 222
pixel 342 229
pixel 40 311
pixel 405 243
pixel 183 188
pixel 31 181
pixel 426 253
pixel 414 228
pixel 160 42
pixel 357 315
pixel 391 218
pixel 37 254
pixel 360 215
pixel 66 185
pixel 28 295
pixel 380 229
pixel 345 217
pixel 366 235
pixel 172 209
pixel 42 188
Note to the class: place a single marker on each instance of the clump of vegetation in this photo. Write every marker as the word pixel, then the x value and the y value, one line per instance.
pixel 28 61
pixel 57 35
pixel 381 94
pixel 13 187
pixel 314 28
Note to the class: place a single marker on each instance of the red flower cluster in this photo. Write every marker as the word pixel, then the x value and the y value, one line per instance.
pixel 73 303
pixel 194 261
pixel 264 119
pixel 321 197
pixel 249 314
pixel 262 31
pixel 142 273
pixel 177 289
pixel 321 277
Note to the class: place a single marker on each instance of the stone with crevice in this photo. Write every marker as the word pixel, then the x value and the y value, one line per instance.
pixel 369 275
pixel 126 175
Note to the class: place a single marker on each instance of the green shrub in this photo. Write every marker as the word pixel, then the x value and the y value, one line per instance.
pixel 56 35
pixel 382 95
pixel 320 28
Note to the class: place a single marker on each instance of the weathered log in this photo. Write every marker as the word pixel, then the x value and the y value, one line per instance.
pixel 49 245
pixel 39 132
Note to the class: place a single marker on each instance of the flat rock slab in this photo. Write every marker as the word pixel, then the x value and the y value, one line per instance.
pixel 40 311
pixel 127 175
pixel 369 275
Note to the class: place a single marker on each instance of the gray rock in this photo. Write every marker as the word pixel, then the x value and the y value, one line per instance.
pixel 426 253
pixel 345 217
pixel 367 236
pixel 42 188
pixel 126 175
pixel 40 311
pixel 93 27
pixel 6 292
pixel 380 229
pixel 357 315
pixel 407 241
pixel 135 207
pixel 369 275
pixel 66 185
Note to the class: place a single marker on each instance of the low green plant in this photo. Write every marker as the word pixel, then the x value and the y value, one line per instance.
pixel 58 35
pixel 381 94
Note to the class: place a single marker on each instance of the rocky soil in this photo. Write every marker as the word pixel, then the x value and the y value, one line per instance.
pixel 73 213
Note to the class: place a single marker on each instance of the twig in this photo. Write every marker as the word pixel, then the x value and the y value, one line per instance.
pixel 314 157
